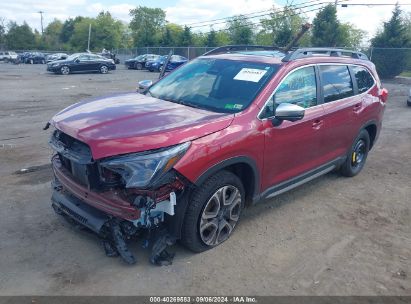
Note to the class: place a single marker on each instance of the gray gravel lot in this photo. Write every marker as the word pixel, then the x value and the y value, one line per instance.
pixel 332 236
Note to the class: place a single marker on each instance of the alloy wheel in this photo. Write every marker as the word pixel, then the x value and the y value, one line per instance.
pixel 104 69
pixel 65 70
pixel 220 215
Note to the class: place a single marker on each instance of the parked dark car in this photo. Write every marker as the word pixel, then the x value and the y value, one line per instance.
pixel 154 65
pixel 175 62
pixel 34 57
pixel 81 62
pixel 57 56
pixel 224 131
pixel 409 99
pixel 139 62
pixel 157 65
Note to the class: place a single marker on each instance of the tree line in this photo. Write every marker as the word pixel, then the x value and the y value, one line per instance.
pixel 148 27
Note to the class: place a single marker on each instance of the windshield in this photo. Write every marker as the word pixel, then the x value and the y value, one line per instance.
pixel 218 85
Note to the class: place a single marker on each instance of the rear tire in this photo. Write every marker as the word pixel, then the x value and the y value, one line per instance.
pixel 213 212
pixel 357 155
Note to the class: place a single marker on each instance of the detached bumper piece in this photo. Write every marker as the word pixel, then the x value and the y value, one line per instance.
pixel 114 232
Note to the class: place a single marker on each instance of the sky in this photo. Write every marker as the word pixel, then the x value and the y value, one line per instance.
pixel 368 18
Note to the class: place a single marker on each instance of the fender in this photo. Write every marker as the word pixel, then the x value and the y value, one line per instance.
pixel 174 223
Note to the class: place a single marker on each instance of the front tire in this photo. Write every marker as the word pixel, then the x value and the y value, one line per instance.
pixel 213 212
pixel 139 66
pixel 357 155
pixel 64 70
pixel 103 69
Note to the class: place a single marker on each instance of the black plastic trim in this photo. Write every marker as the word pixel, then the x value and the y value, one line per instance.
pixel 300 178
pixel 79 211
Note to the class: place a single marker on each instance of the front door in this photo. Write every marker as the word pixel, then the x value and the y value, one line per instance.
pixel 293 148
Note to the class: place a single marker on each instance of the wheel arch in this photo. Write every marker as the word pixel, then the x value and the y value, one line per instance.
pixel 242 166
pixel 372 129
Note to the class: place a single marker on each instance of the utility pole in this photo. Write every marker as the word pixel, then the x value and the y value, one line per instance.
pixel 41 18
pixel 89 34
pixel 336 3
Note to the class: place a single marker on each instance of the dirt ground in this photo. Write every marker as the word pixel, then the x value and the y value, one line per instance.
pixel 332 236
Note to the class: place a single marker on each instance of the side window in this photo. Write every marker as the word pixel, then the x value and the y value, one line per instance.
pixel 298 88
pixel 363 78
pixel 336 82
pixel 83 57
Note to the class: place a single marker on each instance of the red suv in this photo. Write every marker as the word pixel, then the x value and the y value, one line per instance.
pixel 230 128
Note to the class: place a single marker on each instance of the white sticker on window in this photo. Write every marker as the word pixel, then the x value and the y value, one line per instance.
pixel 253 75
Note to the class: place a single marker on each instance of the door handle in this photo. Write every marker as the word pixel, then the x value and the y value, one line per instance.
pixel 317 123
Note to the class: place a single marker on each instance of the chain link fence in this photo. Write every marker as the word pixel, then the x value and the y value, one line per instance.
pixel 390 62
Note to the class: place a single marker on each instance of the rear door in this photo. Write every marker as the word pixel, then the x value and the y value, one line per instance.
pixel 341 105
pixel 293 148
pixel 84 63
pixel 95 62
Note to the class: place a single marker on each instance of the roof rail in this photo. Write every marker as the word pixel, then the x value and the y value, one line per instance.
pixel 331 52
pixel 236 48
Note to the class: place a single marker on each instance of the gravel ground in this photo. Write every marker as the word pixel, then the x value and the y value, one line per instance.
pixel 332 236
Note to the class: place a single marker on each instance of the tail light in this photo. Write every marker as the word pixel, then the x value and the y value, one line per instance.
pixel 383 94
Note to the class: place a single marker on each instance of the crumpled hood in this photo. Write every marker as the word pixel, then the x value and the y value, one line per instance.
pixel 134 122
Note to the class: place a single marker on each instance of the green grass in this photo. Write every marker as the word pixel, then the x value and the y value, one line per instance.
pixel 406 74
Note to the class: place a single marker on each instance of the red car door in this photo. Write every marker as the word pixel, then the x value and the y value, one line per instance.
pixel 293 148
pixel 340 107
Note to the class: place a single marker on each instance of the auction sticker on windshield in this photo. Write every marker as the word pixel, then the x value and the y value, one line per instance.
pixel 253 75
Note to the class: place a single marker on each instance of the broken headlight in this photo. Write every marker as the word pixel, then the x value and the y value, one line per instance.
pixel 138 170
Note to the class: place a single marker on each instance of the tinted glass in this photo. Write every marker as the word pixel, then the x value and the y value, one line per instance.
pixel 363 78
pixel 299 87
pixel 337 83
pixel 215 84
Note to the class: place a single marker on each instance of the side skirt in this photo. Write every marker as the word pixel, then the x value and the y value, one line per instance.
pixel 301 179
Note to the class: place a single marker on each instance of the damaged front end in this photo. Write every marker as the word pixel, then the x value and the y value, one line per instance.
pixel 121 197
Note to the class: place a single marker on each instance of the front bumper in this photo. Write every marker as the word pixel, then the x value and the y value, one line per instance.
pixel 53 69
pixel 108 202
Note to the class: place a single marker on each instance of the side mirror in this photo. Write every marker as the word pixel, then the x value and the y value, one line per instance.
pixel 77 60
pixel 383 93
pixel 288 111
pixel 143 85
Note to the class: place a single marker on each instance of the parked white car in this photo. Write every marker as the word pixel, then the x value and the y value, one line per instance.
pixel 7 56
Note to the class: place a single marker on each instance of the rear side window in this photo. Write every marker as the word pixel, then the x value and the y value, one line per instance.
pixel 336 82
pixel 364 79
